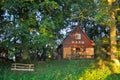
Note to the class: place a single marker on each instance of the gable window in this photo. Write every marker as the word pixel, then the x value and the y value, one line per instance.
pixel 77 36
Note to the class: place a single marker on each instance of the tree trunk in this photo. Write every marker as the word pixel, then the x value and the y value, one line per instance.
pixel 113 36
pixel 112 25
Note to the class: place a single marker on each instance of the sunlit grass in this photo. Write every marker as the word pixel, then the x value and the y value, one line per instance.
pixel 58 70
pixel 95 74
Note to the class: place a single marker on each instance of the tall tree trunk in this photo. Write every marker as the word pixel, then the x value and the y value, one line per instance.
pixel 113 36
pixel 113 48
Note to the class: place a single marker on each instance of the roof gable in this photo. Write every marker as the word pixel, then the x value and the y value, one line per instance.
pixel 70 39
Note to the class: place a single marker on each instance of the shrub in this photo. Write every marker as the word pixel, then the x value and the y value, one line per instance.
pixel 96 74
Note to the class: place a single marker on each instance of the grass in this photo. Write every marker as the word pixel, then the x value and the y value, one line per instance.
pixel 59 70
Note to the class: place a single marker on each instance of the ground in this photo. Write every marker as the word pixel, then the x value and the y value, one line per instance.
pixel 60 70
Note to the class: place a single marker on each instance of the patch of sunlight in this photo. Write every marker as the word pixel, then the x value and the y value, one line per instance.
pixel 96 74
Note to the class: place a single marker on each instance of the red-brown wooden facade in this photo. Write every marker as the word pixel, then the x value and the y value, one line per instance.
pixel 76 45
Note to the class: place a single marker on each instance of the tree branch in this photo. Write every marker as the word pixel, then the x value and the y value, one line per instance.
pixel 117 9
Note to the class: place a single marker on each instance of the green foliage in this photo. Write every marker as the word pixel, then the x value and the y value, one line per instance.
pixel 102 48
pixel 113 76
pixel 118 50
pixel 80 10
pixel 97 74
pixel 104 12
pixel 115 69
pixel 24 29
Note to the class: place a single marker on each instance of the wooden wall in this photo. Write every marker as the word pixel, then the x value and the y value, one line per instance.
pixel 67 53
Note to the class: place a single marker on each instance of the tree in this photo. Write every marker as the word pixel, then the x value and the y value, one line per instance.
pixel 106 14
pixel 24 17
pixel 37 23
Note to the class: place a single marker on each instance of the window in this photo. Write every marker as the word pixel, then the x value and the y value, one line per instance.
pixel 77 36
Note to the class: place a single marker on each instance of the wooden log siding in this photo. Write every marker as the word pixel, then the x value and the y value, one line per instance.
pixel 22 67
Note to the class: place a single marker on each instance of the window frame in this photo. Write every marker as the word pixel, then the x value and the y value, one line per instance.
pixel 78 36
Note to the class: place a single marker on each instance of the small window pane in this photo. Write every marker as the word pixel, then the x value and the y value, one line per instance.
pixel 77 36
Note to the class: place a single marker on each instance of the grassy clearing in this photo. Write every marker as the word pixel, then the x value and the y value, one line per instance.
pixel 59 70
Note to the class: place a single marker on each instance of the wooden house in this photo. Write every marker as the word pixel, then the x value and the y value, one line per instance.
pixel 76 45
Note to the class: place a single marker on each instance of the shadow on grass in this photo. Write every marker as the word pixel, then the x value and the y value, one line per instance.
pixel 114 76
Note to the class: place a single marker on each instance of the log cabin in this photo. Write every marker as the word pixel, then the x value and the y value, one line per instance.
pixel 76 45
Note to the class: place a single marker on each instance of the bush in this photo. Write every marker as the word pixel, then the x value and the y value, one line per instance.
pixel 96 74
pixel 113 67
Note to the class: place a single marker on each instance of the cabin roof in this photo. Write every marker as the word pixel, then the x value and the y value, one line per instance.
pixel 81 31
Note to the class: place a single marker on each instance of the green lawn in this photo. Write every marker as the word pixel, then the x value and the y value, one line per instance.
pixel 59 70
